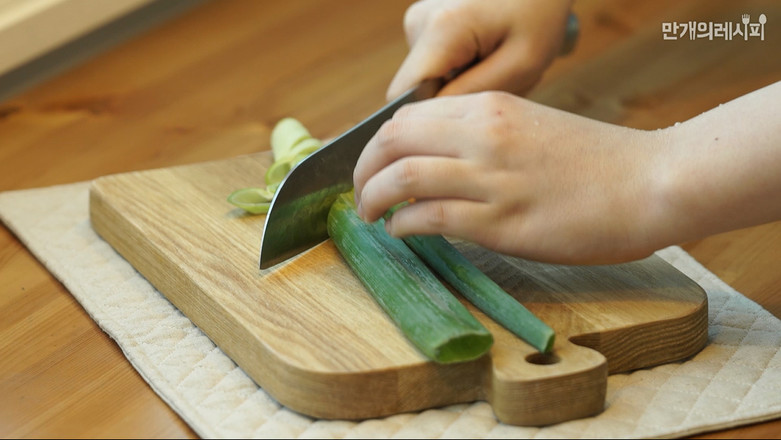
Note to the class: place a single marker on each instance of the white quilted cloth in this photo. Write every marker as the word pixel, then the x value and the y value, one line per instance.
pixel 735 380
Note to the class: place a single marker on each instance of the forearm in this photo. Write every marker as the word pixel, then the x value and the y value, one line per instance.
pixel 723 168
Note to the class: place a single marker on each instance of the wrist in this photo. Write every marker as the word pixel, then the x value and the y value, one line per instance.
pixel 665 208
pixel 684 191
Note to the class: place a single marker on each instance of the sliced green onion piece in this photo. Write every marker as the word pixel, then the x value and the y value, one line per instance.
pixel 277 171
pixel 285 135
pixel 288 156
pixel 304 148
pixel 253 200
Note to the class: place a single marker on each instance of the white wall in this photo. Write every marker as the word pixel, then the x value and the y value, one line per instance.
pixel 30 28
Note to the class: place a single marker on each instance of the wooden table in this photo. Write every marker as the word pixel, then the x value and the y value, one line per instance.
pixel 230 70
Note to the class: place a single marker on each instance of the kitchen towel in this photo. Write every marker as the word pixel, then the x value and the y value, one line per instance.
pixel 734 380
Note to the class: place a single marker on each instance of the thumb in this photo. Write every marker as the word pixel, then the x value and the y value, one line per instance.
pixel 513 67
pixel 434 55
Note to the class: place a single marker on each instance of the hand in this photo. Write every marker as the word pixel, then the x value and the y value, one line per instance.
pixel 516 177
pixel 512 40
pixel 531 181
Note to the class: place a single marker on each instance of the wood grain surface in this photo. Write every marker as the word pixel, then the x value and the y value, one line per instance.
pixel 230 70
pixel 309 333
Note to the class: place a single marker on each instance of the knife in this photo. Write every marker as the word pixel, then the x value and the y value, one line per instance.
pixel 297 217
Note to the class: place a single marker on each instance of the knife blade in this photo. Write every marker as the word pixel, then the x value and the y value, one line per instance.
pixel 297 217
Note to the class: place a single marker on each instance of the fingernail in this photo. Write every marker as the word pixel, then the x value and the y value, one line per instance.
pixel 359 209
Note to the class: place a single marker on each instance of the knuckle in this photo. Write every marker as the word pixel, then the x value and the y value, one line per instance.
pixel 388 134
pixel 444 18
pixel 497 123
pixel 404 112
pixel 413 17
pixel 436 216
pixel 393 133
pixel 408 174
pixel 495 102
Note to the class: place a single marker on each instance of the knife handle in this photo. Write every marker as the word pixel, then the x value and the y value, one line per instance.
pixel 571 34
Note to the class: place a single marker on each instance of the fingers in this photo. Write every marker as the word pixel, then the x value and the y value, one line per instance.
pixel 415 18
pixel 510 68
pixel 418 178
pixel 415 129
pixel 465 219
pixel 441 41
pixel 396 138
pixel 511 41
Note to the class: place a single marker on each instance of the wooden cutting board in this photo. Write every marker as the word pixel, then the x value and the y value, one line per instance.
pixel 309 333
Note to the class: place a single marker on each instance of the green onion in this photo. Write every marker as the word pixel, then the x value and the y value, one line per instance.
pixel 425 311
pixel 481 291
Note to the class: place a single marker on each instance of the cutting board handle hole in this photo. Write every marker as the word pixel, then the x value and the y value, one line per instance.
pixel 542 359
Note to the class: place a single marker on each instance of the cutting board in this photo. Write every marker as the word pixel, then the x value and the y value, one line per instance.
pixel 308 332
